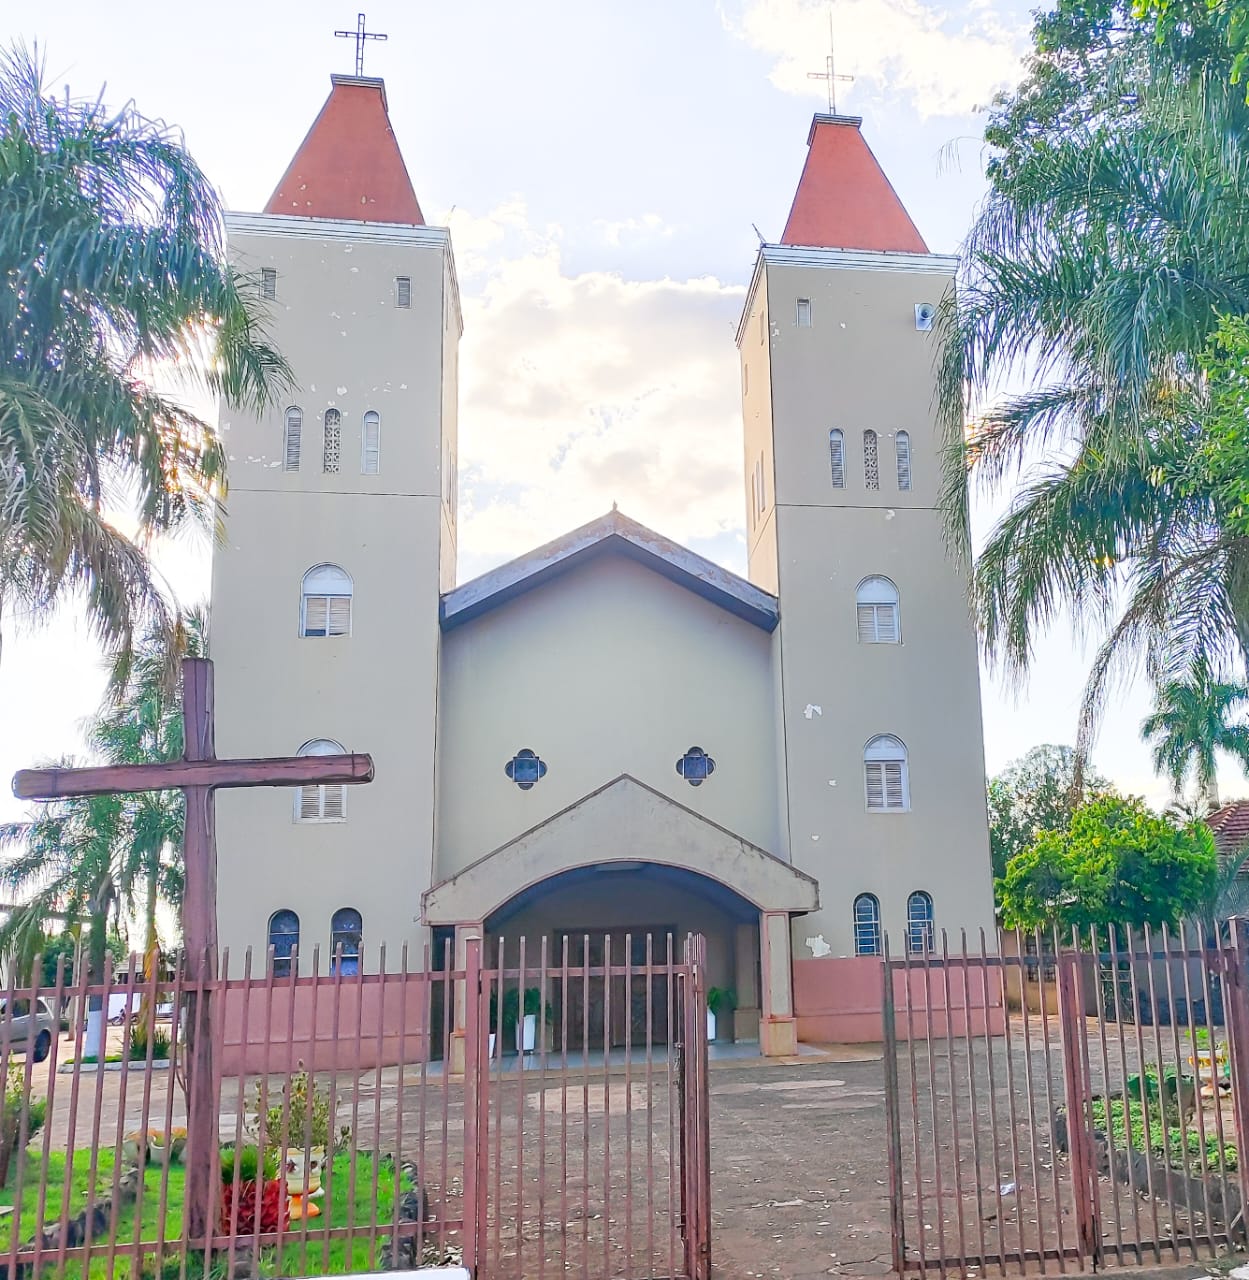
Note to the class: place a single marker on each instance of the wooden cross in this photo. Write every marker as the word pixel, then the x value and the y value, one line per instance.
pixel 359 35
pixel 829 73
pixel 199 773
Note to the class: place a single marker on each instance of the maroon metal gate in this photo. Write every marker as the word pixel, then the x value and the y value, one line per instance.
pixel 1083 1103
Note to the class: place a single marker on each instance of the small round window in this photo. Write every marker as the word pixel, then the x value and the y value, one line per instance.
pixel 525 768
pixel 696 766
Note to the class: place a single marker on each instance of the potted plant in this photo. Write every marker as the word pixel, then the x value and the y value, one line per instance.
pixel 251 1189
pixel 719 1000
pixel 527 1031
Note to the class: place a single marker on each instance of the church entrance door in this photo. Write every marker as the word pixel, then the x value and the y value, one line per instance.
pixel 614 1012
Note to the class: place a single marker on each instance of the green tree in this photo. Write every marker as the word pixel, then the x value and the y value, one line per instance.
pixel 1190 726
pixel 1096 272
pixel 1117 863
pixel 1036 793
pixel 112 268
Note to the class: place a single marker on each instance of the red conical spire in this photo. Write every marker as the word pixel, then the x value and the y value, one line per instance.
pixel 844 200
pixel 349 165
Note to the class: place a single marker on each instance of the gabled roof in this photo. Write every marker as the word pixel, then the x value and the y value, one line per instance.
pixel 844 200
pixel 1230 825
pixel 349 165
pixel 613 533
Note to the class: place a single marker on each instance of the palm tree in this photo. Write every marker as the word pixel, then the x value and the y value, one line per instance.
pixel 1189 726
pixel 1097 269
pixel 112 268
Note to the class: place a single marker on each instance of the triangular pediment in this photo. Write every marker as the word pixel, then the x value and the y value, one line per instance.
pixel 623 822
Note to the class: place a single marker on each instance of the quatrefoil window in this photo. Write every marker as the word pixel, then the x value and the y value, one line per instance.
pixel 525 768
pixel 696 766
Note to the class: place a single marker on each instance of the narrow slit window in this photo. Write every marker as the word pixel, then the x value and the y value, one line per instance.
pixel 332 450
pixel 837 457
pixel 268 283
pixel 902 447
pixel 920 927
pixel 403 292
pixel 866 925
pixel 803 316
pixel 371 444
pixel 292 436
pixel 871 460
pixel 284 939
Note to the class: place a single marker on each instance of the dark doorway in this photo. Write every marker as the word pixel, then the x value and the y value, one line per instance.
pixel 612 1014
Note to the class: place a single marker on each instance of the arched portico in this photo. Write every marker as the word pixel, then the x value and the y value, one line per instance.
pixel 628 859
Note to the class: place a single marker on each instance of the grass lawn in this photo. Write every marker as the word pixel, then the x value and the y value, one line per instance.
pixel 318 1257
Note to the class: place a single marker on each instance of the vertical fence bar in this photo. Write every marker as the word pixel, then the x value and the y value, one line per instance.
pixel 607 1039
pixel 544 1007
pixel 520 1104
pixel 972 1114
pixel 983 966
pixel 1049 1090
pixel 1071 1015
pixel 930 1046
pixel 1236 1015
pixel 1211 956
pixel 628 1101
pixel 565 956
pixel 650 1101
pixel 479 993
pixel 1133 1191
pixel 1107 1093
pixel 893 1117
pixel 1199 1110
pixel 913 1072
pixel 402 1058
pixel 424 1036
pixel 1168 1181
pixel 951 1041
pixel 474 1084
pixel 1187 1184
pixel 585 1108
pixel 1038 1199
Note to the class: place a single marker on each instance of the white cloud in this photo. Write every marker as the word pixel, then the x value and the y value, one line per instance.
pixel 947 60
pixel 650 226
pixel 578 391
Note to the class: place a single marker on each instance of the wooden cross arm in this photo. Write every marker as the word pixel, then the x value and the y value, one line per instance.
pixel 280 771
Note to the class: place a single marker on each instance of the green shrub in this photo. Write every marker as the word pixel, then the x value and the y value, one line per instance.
pixel 308 1116
pixel 244 1164
pixel 11 1117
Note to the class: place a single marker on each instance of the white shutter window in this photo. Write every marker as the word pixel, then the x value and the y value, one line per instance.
pixel 370 444
pixel 885 777
pixel 324 803
pixel 325 602
pixel 902 448
pixel 879 620
pixel 403 291
pixel 803 316
pixel 837 458
pixel 292 438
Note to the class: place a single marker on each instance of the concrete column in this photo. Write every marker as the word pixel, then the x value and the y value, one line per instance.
pixel 778 1032
pixel 455 1050
pixel 745 957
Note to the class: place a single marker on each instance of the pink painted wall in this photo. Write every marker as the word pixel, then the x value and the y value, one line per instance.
pixel 280 1028
pixel 837 1000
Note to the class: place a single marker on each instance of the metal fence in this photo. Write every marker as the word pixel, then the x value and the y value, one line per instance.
pixel 1097 1120
pixel 339 1122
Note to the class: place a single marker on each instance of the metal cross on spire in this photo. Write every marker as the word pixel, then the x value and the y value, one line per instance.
pixel 829 73
pixel 359 35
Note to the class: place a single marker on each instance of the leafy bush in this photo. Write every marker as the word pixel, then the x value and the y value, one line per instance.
pixel 245 1164
pixel 15 1095
pixel 307 1113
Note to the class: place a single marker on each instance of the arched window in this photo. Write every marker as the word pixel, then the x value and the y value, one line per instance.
pixel 283 938
pixel 371 444
pixel 885 775
pixel 871 461
pixel 292 436
pixel 332 451
pixel 346 934
pixel 327 803
pixel 866 925
pixel 837 457
pixel 902 450
pixel 879 620
pixel 919 923
pixel 325 602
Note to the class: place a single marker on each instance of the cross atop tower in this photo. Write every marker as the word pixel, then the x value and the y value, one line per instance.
pixel 360 35
pixel 829 73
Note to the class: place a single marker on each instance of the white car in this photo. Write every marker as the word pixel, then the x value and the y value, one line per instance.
pixel 27 1031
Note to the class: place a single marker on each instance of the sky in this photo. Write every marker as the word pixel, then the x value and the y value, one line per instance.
pixel 602 167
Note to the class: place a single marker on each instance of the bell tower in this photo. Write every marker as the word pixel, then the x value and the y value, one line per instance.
pixel 875 656
pixel 340 534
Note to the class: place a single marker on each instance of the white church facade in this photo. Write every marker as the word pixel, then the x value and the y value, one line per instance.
pixel 609 734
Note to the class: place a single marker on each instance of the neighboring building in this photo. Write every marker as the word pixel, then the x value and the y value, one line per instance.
pixel 1230 825
pixel 610 733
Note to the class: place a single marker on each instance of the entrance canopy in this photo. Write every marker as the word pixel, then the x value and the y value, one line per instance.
pixel 628 824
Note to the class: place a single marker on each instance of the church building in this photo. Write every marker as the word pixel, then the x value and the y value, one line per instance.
pixel 610 734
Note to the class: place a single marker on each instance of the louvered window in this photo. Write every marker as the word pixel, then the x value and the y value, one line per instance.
pixel 885 776
pixel 333 448
pixel 403 291
pixel 284 939
pixel 878 612
pixel 268 283
pixel 920 928
pixel 871 461
pixel 327 803
pixel 803 316
pixel 292 437
pixel 325 605
pixel 837 458
pixel 371 444
pixel 902 449
pixel 866 925
pixel 346 936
